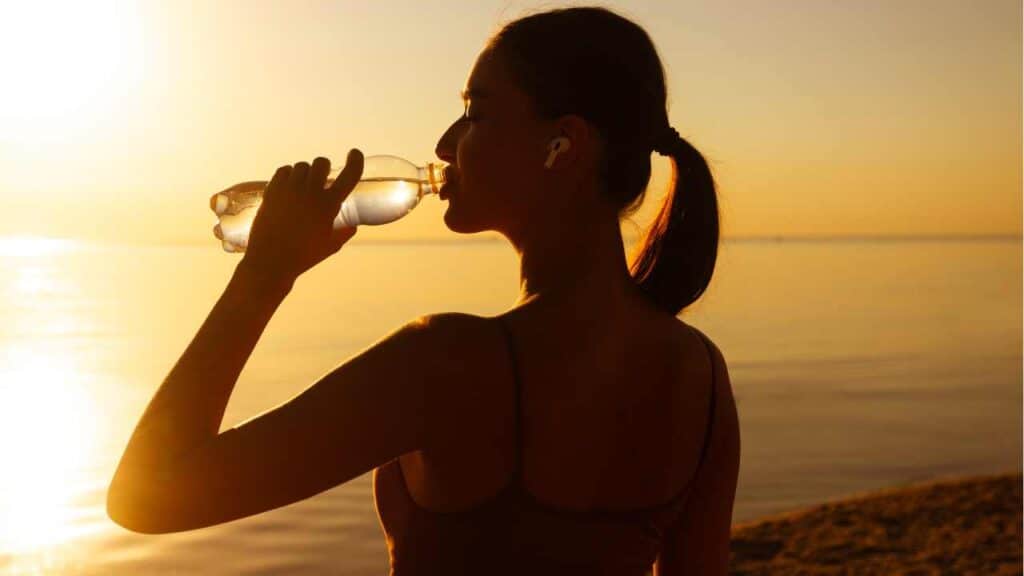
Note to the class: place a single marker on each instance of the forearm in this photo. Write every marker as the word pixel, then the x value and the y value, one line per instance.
pixel 189 406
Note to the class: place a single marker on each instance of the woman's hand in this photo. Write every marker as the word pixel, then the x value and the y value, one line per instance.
pixel 293 229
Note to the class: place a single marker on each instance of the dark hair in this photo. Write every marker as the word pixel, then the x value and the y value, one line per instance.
pixel 594 63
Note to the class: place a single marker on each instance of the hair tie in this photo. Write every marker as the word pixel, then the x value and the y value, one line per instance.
pixel 667 142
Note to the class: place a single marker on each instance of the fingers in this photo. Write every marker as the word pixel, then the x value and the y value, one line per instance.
pixel 298 177
pixel 318 175
pixel 276 185
pixel 348 178
pixel 302 178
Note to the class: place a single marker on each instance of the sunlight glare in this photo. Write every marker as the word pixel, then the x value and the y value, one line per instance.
pixel 402 193
pixel 66 62
pixel 33 246
pixel 48 427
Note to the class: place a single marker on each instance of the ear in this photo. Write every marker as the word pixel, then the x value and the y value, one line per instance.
pixel 582 135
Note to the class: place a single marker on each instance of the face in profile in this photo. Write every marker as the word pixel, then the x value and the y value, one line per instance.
pixel 496 150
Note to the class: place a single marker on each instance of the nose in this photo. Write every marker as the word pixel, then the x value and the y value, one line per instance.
pixel 448 144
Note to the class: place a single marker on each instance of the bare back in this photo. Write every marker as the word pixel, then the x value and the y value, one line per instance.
pixel 614 412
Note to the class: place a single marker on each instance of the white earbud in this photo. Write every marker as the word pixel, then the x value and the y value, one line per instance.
pixel 557 146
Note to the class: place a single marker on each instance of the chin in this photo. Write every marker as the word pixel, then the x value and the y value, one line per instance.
pixel 460 225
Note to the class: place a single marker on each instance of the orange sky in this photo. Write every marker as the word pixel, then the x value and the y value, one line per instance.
pixel 860 117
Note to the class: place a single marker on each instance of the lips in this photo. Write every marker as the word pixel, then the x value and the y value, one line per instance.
pixel 445 191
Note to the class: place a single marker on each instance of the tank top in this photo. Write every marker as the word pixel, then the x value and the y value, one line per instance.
pixel 514 533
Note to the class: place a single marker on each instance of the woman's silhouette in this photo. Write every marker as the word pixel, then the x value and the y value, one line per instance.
pixel 586 430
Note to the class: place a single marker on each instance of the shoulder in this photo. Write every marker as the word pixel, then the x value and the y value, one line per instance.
pixel 707 345
pixel 463 354
pixel 451 320
pixel 430 361
pixel 437 331
pixel 451 335
pixel 727 442
pixel 468 346
pixel 719 372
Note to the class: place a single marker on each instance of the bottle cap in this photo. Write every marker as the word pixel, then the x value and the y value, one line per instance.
pixel 219 203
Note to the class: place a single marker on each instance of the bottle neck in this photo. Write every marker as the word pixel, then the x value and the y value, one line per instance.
pixel 431 178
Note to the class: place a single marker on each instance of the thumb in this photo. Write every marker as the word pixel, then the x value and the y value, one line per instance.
pixel 347 178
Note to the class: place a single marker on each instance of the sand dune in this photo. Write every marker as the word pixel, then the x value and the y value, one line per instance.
pixel 962 526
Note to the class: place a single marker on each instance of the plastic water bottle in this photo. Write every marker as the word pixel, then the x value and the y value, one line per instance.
pixel 389 188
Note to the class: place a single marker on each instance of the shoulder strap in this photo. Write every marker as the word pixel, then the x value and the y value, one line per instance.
pixel 515 378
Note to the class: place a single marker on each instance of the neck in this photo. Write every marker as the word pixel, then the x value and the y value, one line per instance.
pixel 582 263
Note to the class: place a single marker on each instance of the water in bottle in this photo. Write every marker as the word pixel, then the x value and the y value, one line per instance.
pixel 390 187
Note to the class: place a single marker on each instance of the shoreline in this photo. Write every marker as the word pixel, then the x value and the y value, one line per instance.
pixel 966 525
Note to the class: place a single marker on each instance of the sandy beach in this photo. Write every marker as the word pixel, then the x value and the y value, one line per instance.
pixel 950 526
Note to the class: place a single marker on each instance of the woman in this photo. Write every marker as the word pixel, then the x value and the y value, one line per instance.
pixel 586 430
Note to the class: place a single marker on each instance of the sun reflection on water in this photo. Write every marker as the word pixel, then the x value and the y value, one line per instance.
pixel 48 418
pixel 47 422
pixel 33 246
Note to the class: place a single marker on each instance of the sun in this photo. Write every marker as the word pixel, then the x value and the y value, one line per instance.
pixel 64 63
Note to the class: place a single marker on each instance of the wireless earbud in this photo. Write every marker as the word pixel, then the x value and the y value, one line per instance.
pixel 557 146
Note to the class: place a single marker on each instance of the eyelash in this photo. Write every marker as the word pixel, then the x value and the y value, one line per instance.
pixel 465 113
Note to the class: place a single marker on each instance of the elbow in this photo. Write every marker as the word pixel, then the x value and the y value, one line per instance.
pixel 127 513
pixel 135 512
pixel 118 513
pixel 135 516
pixel 122 513
pixel 154 508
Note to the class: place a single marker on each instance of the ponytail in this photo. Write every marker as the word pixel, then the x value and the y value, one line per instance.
pixel 674 263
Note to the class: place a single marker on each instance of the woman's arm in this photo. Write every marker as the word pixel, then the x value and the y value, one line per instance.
pixel 292 232
pixel 188 408
pixel 406 392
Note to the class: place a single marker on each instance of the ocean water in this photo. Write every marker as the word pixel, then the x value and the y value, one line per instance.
pixel 857 365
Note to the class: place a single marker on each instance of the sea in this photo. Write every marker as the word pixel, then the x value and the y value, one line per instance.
pixel 857 364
